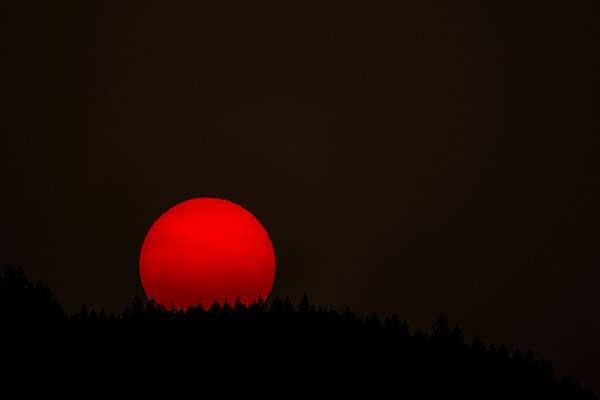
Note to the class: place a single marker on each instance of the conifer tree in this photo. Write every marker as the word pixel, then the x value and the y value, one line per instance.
pixel 276 305
pixel 304 306
pixel 137 306
pixel 288 307
pixel 226 307
pixel 215 306
pixel 441 329
pixel 239 306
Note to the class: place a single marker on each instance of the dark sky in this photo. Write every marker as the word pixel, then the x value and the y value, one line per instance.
pixel 409 158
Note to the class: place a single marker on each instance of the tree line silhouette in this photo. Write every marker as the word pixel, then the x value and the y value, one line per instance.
pixel 234 345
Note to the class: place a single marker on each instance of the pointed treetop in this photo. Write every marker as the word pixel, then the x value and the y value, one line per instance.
pixel 239 305
pixel 288 307
pixel 215 306
pixel 276 305
pixel 441 327
pixel 258 305
pixel 137 305
pixel 226 307
pixel 305 305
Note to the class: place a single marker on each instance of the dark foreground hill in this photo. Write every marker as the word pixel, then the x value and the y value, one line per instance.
pixel 274 349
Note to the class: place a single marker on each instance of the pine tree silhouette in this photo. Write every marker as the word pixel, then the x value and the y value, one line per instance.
pixel 370 356
pixel 215 307
pixel 23 302
pixel 288 307
pixel 239 306
pixel 304 306
pixel 259 305
pixel 276 306
pixel 226 307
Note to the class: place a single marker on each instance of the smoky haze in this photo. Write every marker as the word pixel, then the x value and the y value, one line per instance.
pixel 411 158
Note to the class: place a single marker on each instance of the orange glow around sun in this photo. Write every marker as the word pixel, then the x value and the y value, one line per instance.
pixel 207 249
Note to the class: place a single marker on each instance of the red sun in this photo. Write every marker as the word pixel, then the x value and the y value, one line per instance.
pixel 204 250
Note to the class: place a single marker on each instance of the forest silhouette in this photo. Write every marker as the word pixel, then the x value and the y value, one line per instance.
pixel 238 348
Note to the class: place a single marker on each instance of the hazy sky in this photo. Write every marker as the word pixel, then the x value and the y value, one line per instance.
pixel 404 158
